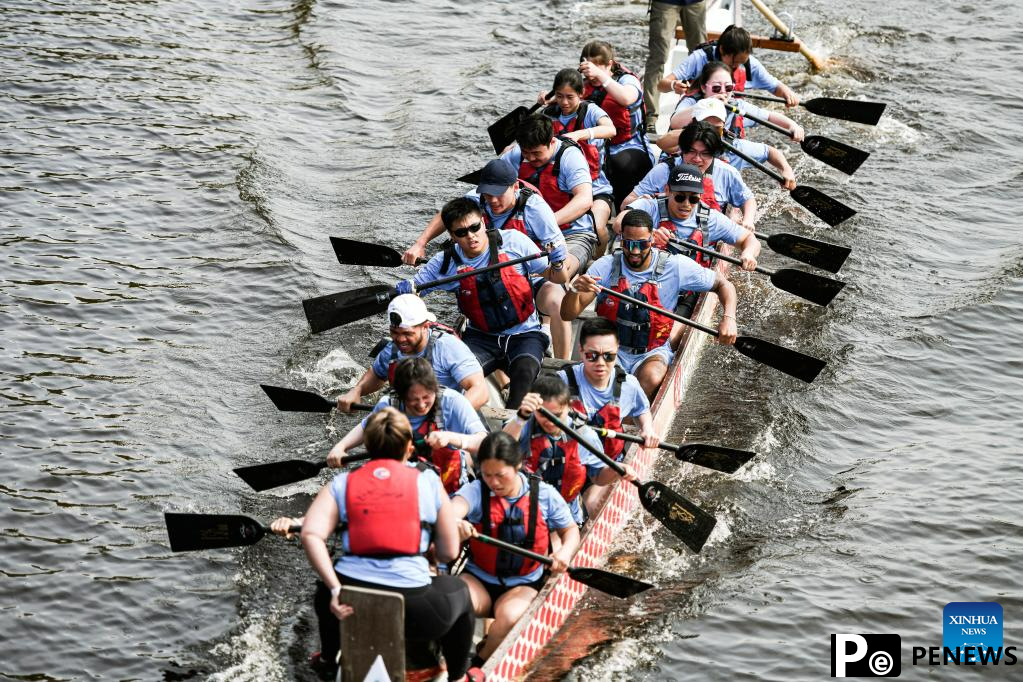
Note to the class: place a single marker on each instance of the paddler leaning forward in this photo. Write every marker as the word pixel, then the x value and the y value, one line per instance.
pixel 384 544
pixel 413 334
pixel 643 272
pixel 520 509
pixel 503 329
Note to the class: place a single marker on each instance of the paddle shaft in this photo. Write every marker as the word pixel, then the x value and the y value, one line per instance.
pixel 480 271
pixel 632 438
pixel 514 549
pixel 764 122
pixel 659 311
pixel 599 452
pixel 753 162
pixel 718 254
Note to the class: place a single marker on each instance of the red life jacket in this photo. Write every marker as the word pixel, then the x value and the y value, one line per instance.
pixel 620 114
pixel 448 462
pixel 708 197
pixel 609 416
pixel 497 300
pixel 639 330
pixel 698 236
pixel 546 178
pixel 517 219
pixel 557 462
pixel 521 524
pixel 739 77
pixel 382 510
pixel 589 149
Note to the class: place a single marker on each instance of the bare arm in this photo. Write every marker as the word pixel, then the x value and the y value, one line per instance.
pixel 581 202
pixel 351 439
pixel 668 142
pixel 778 160
pixel 604 130
pixel 418 249
pixel 577 299
pixel 681 118
pixel 750 249
pixel 369 383
pixel 445 532
pixel 320 521
pixel 569 544
pixel 749 213
pixel 726 293
pixel 781 119
pixel 474 388
pixel 791 99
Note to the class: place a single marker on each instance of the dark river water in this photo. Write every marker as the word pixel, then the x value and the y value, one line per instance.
pixel 170 172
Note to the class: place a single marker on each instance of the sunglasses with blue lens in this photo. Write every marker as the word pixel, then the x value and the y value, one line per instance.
pixel 635 244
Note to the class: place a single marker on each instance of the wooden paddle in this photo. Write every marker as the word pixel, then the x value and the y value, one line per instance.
pixel 189 532
pixel 262 477
pixel 819 254
pixel 688 522
pixel 294 400
pixel 502 131
pixel 713 457
pixel 334 310
pixel 814 288
pixel 846 109
pixel 820 204
pixel 832 152
pixel 352 252
pixel 614 584
pixel 796 364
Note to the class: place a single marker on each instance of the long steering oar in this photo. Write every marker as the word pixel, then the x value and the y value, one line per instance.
pixel 688 522
pixel 795 364
pixel 814 288
pixel 262 477
pixel 820 204
pixel 352 252
pixel 334 310
pixel 832 152
pixel 853 110
pixel 614 584
pixel 819 254
pixel 502 131
pixel 189 532
pixel 713 457
pixel 294 400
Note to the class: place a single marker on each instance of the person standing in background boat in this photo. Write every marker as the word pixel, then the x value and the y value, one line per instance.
pixel 503 330
pixel 617 91
pixel 507 504
pixel 723 186
pixel 735 48
pixel 590 127
pixel 412 335
pixel 446 429
pixel 665 15
pixel 649 274
pixel 554 456
pixel 384 546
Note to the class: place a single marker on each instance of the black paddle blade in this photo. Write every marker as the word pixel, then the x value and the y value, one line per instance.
pixel 688 522
pixel 352 252
pixel 713 457
pixel 334 310
pixel 795 364
pixel 814 288
pixel 293 400
pixel 821 205
pixel 819 254
pixel 616 585
pixel 189 532
pixel 502 131
pixel 472 178
pixel 834 153
pixel 847 109
pixel 275 474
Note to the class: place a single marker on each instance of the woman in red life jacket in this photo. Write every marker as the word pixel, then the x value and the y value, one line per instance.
pixel 591 127
pixel 388 512
pixel 506 503
pixel 446 429
pixel 716 81
pixel 619 92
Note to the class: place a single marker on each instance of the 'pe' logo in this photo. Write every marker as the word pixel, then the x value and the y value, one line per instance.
pixel 976 624
pixel 866 655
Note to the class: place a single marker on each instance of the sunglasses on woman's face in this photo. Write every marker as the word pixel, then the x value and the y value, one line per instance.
pixel 717 87
pixel 593 356
pixel 460 232
pixel 683 197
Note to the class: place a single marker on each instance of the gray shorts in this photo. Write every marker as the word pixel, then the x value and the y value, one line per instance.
pixel 581 246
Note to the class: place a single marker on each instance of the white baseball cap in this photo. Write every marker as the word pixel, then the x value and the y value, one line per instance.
pixel 709 107
pixel 407 311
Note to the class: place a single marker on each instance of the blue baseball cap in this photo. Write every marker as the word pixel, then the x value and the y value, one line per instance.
pixel 497 176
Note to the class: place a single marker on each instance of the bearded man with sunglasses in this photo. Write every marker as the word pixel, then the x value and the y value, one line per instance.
pixel 503 329
pixel 650 274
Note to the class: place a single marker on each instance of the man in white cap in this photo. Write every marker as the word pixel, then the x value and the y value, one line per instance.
pixel 412 335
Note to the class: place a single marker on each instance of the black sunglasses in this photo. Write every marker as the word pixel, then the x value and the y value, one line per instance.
pixel 463 231
pixel 593 356
pixel 682 197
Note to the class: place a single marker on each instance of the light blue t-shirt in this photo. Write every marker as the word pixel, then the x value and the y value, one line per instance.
pixel 514 244
pixel 593 115
pixel 553 511
pixel 729 187
pixel 452 360
pixel 719 228
pixel 405 571
pixel 758 151
pixel 759 77
pixel 455 409
pixel 594 465
pixel 574 171
pixel 632 403
pixel 537 216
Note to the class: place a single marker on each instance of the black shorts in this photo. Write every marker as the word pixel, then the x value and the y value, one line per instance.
pixel 495 590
